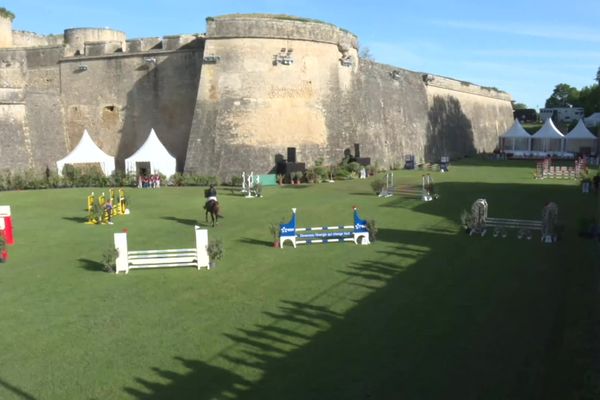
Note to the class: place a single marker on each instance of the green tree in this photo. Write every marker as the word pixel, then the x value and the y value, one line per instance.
pixel 589 99
pixel 6 14
pixel 563 96
pixel 519 106
pixel 598 76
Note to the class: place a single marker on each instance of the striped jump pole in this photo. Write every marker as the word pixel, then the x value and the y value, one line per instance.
pixel 356 233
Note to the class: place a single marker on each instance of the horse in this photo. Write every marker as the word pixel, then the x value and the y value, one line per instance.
pixel 212 207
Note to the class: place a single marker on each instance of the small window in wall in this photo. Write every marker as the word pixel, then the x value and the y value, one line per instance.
pixel 77 53
pixel 110 108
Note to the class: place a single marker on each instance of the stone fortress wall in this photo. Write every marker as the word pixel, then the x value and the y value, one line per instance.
pixel 232 99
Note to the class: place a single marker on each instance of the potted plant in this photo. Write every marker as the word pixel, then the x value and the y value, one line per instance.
pixel 215 252
pixel 274 230
pixel 377 186
pixel 109 259
pixel 372 228
pixel 258 189
pixel 297 177
pixel 280 178
pixel 466 219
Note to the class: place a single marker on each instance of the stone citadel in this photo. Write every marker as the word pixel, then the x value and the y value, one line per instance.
pixel 231 99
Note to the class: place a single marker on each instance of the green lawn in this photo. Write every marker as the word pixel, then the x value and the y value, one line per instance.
pixel 426 312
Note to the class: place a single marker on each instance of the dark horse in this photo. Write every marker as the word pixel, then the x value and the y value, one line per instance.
pixel 212 208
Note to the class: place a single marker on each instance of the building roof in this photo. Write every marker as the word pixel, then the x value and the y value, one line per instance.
pixel 580 132
pixel 548 131
pixel 516 131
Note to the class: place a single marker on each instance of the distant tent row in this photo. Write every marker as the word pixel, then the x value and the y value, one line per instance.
pixel 152 154
pixel 547 140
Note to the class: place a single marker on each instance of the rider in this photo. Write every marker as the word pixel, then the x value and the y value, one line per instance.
pixel 211 193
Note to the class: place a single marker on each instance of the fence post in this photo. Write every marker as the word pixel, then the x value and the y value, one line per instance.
pixel 201 244
pixel 122 262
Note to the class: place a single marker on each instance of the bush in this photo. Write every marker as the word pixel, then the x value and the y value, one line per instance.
pixel 298 175
pixel 353 167
pixel 372 228
pixel 109 259
pixel 378 185
pixel 343 174
pixel 89 176
pixel 236 180
pixel 215 250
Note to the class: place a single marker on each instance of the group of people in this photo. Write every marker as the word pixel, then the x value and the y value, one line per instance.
pixel 151 181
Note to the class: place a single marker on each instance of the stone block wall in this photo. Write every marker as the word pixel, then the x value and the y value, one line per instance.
pixel 118 98
pixel 6 37
pixel 234 99
pixel 250 107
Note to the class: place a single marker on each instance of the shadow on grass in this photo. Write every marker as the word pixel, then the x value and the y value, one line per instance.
pixel 79 220
pixel 300 186
pixel 256 242
pixel 429 325
pixel 370 194
pixel 91 265
pixel 20 393
pixel 184 221
pixel 439 315
pixel 203 381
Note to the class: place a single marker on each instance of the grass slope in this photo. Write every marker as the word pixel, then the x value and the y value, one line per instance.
pixel 426 312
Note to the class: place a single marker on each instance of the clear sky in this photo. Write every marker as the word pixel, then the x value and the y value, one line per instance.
pixel 522 47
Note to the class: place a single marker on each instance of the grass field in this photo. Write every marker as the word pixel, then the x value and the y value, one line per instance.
pixel 426 312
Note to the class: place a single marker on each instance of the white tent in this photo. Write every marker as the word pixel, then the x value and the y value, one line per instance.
pixel 593 120
pixel 580 137
pixel 86 152
pixel 515 139
pixel 155 154
pixel 547 139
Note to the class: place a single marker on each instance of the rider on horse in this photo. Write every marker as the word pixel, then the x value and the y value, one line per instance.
pixel 211 193
pixel 212 204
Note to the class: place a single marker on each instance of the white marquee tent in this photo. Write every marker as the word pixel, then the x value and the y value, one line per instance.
pixel 87 152
pixel 154 153
pixel 516 139
pixel 580 137
pixel 547 139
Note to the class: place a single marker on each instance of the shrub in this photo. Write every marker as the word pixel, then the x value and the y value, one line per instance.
pixel 353 167
pixel 215 250
pixel 298 175
pixel 378 185
pixel 109 259
pixel 236 180
pixel 343 174
pixel 372 228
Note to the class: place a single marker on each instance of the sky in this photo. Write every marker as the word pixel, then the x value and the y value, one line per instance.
pixel 522 47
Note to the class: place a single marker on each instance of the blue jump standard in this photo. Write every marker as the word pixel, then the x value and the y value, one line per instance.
pixel 356 233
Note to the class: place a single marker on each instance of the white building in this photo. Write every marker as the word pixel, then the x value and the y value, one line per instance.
pixel 562 114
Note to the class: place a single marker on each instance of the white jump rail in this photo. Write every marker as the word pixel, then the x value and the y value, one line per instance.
pixel 143 259
pixel 524 226
pixel 479 223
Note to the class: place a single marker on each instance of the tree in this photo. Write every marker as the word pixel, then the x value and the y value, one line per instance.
pixel 365 53
pixel 563 96
pixel 589 99
pixel 519 106
pixel 598 76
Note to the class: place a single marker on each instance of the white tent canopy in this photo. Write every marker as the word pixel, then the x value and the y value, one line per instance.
pixel 87 152
pixel 547 139
pixel 154 153
pixel 580 137
pixel 516 139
